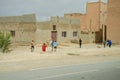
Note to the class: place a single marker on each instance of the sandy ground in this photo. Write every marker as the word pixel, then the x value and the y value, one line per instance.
pixel 20 58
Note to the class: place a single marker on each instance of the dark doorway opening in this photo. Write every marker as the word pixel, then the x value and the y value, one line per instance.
pixel 54 35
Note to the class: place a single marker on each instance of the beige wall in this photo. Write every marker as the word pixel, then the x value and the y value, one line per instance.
pixel 23 26
pixel 113 24
pixel 26 29
pixel 93 16
pixel 96 15
pixel 43 32
pixel 85 35
pixel 68 25
pixel 92 22
pixel 96 19
pixel 81 17
pixel 24 32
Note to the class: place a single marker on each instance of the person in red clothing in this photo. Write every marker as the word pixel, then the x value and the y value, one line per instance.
pixel 44 47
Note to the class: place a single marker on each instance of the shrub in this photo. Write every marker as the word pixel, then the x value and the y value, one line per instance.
pixel 4 42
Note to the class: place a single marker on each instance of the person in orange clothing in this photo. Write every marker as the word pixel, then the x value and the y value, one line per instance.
pixel 44 47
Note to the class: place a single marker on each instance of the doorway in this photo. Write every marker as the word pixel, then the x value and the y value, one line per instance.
pixel 54 35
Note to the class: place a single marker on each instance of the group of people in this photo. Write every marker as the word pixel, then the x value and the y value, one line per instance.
pixel 106 43
pixel 54 45
pixel 44 46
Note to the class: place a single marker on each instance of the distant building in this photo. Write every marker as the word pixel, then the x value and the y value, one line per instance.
pixel 22 28
pixel 25 28
pixel 81 17
pixel 96 19
pixel 113 21
pixel 91 27
pixel 59 29
pixel 85 35
pixel 93 22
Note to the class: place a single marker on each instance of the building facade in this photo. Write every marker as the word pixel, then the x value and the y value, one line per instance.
pixel 93 23
pixel 25 28
pixel 113 18
pixel 81 17
pixel 91 27
pixel 96 19
pixel 22 28
pixel 85 34
pixel 59 29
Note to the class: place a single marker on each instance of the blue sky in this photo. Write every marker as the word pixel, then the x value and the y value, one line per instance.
pixel 43 9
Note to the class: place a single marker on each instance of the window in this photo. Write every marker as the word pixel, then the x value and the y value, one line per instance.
pixel 74 34
pixel 54 27
pixel 82 32
pixel 12 33
pixel 64 34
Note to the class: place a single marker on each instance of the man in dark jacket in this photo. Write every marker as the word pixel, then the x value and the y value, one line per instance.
pixel 80 42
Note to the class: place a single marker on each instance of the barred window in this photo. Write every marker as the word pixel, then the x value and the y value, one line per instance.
pixel 75 34
pixel 12 33
pixel 64 34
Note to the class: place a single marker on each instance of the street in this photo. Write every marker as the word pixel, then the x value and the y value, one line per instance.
pixel 106 70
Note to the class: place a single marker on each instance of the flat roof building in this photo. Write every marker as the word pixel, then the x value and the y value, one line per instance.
pixel 113 21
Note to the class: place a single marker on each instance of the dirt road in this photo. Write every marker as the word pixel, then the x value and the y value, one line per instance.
pixel 22 59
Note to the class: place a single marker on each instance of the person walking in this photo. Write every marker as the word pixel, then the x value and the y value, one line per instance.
pixel 32 46
pixel 54 46
pixel 80 42
pixel 44 47
pixel 109 43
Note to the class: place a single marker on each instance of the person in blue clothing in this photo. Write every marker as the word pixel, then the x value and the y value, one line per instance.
pixel 109 43
pixel 54 46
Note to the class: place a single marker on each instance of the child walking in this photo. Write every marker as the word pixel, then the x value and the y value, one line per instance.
pixel 44 47
pixel 32 46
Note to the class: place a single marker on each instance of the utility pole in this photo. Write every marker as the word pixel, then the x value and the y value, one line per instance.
pixel 90 31
pixel 102 21
pixel 100 27
pixel 99 13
